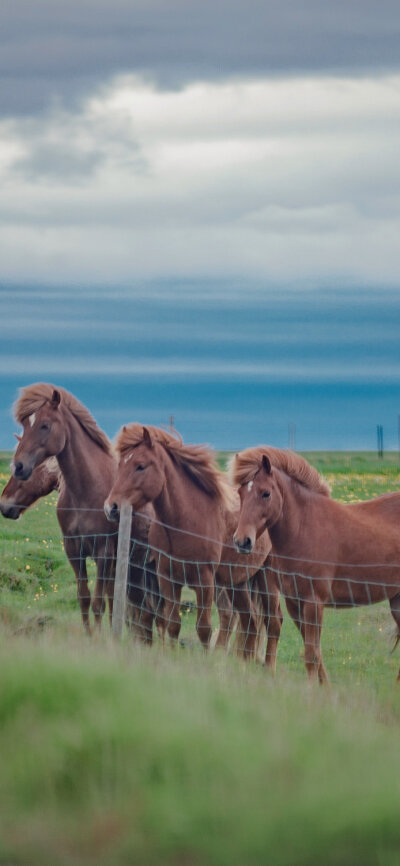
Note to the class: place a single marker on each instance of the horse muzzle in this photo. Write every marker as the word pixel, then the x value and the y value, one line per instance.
pixel 8 509
pixel 243 545
pixel 111 511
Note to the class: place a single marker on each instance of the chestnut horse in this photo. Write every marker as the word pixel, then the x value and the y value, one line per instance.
pixel 195 516
pixel 144 602
pixel 56 424
pixel 18 496
pixel 326 554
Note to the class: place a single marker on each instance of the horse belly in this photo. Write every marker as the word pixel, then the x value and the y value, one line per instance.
pixel 348 592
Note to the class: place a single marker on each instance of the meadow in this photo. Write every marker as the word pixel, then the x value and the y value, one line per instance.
pixel 114 754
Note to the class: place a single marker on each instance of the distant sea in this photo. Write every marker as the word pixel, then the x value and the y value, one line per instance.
pixel 230 363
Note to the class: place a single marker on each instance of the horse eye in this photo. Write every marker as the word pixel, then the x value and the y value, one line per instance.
pixel 140 468
pixel 45 427
pixel 266 494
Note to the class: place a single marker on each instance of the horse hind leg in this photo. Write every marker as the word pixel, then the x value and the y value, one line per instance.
pixel 311 632
pixel 395 611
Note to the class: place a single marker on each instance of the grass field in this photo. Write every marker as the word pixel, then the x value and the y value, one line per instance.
pixel 118 755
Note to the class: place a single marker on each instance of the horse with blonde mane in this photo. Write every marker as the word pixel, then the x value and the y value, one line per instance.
pixel 195 511
pixel 326 554
pixel 56 424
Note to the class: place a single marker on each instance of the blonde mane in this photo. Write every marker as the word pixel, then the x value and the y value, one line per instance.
pixel 33 397
pixel 244 466
pixel 198 461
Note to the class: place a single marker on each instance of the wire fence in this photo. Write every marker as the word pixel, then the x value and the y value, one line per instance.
pixel 163 600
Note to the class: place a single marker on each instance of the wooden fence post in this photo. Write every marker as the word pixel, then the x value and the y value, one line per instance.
pixel 121 571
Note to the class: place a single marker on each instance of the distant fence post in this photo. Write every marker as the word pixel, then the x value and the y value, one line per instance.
pixel 379 432
pixel 121 571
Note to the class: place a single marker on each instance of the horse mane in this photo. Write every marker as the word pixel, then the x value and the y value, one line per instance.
pixel 33 397
pixel 198 461
pixel 244 466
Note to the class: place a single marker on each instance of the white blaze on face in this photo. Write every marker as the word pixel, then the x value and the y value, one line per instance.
pixel 250 485
pixel 127 458
pixel 32 419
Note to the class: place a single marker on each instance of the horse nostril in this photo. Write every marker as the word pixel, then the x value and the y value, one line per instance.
pixel 112 511
pixel 245 546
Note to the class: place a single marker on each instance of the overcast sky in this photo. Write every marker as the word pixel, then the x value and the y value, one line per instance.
pixel 159 139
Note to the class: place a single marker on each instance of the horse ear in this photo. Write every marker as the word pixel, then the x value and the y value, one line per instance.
pixel 147 438
pixel 18 438
pixel 266 464
pixel 56 399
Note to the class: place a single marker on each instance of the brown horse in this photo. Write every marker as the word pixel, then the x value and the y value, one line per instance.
pixel 195 515
pixel 326 554
pixel 18 496
pixel 143 599
pixel 144 602
pixel 56 424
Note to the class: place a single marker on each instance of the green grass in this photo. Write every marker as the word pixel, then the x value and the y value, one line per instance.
pixel 118 758
pixel 118 755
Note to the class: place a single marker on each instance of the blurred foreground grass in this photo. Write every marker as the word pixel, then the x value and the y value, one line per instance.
pixel 112 757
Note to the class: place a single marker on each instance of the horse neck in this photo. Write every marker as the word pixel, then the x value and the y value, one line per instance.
pixel 286 534
pixel 180 500
pixel 83 464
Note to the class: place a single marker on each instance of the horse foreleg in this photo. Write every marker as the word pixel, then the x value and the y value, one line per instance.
pixel 242 602
pixel 98 601
pixel 83 595
pixel 311 631
pixel 205 596
pixel 104 554
pixel 78 565
pixel 227 616
pixel 171 592
pixel 140 613
pixel 273 618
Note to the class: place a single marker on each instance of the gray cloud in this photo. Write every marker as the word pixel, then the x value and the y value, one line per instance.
pixel 290 180
pixel 55 52
pixel 49 161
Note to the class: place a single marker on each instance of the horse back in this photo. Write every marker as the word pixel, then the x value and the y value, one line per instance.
pixel 385 507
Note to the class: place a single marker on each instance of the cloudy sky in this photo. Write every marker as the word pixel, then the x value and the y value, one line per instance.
pixel 219 182
pixel 200 139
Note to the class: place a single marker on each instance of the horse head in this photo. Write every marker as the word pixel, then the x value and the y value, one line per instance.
pixel 261 504
pixel 140 478
pixel 43 436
